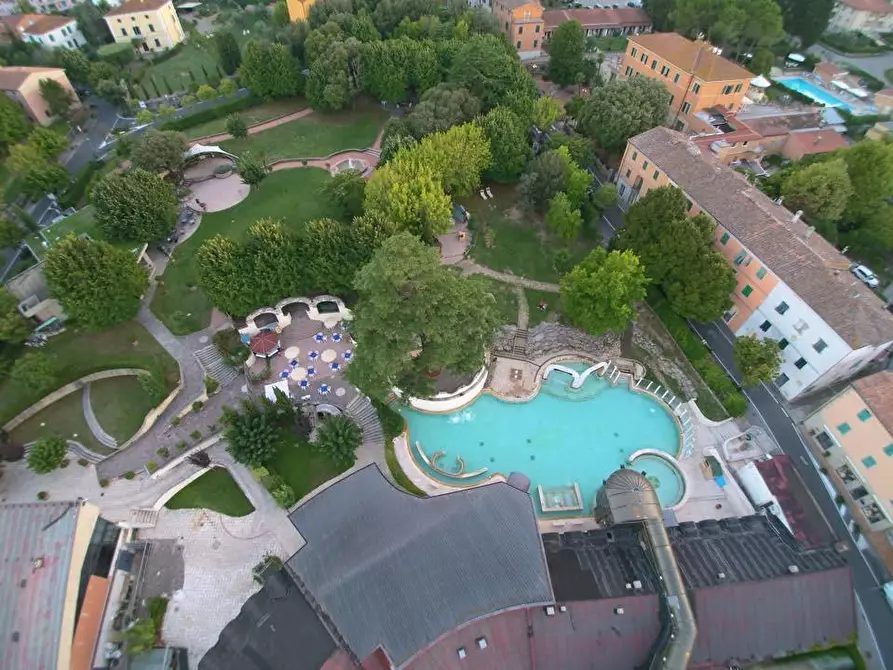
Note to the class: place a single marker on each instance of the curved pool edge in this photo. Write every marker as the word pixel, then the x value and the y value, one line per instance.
pixel 444 403
pixel 674 463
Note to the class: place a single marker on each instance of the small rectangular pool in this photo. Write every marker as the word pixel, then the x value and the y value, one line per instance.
pixel 810 90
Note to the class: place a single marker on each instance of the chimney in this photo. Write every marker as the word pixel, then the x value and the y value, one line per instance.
pixel 809 231
pixel 797 216
pixel 818 138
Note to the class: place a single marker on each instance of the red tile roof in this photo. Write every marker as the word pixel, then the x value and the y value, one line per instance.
pixel 691 57
pixel 877 392
pixel 873 6
pixel 815 142
pixel 602 17
pixel 47 24
pixel 137 6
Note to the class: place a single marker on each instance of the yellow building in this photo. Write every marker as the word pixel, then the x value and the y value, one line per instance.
pixel 152 25
pixel 299 10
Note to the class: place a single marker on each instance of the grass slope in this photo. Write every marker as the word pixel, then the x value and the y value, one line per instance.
pixel 215 490
pixel 64 417
pixel 301 467
pixel 120 405
pixel 251 116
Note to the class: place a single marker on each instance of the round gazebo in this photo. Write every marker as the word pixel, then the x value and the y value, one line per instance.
pixel 265 344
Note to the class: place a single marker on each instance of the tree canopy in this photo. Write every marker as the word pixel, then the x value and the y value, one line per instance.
pixel 47 455
pixel 601 292
pixel 338 439
pixel 488 67
pixel 160 150
pixel 97 284
pixel 346 190
pixel 807 19
pixel 13 123
pixel 58 98
pixel 14 328
pixel 228 53
pixel 270 71
pixel 821 190
pixel 566 48
pixel 758 360
pixel 251 435
pixel 623 108
pixel 414 317
pixel 134 206
pixel 440 108
pixel 509 144
pixel 564 218
pixel 677 253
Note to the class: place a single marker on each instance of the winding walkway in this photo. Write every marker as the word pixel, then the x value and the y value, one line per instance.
pixel 469 267
pixel 257 128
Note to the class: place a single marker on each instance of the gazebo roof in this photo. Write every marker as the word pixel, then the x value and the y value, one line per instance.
pixel 201 149
pixel 265 342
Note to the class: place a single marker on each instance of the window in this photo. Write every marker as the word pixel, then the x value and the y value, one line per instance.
pixel 820 346
pixel 644 58
pixel 672 97
pixel 622 190
pixel 864 415
pixel 825 441
pixel 635 155
pixel 738 88
pixel 119 20
pixel 676 78
pixel 726 90
pixel 520 30
pixel 869 461
pixel 765 326
pixel 689 205
pixel 783 344
pixel 888 450
pixel 686 108
pixel 655 175
pixel 740 257
pixel 747 290
pixel 506 25
pixel 628 173
pixel 52 38
pixel 761 273
pixel 518 44
pixel 535 42
pixel 151 28
pixel 728 316
pixel 782 380
pixel 136 30
pixel 665 71
pixel 157 43
pixel 696 87
pixel 654 64
pixel 724 238
pixel 633 52
pixel 843 428
pixel 629 70
pixel 645 165
pixel 782 307
pixel 800 363
pixel 124 32
pixel 537 29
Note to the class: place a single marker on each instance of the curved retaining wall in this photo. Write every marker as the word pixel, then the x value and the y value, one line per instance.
pixel 657 453
pixel 449 402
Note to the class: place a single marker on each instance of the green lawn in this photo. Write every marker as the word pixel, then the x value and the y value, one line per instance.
pixel 252 116
pixel 506 300
pixel 522 245
pixel 78 352
pixel 215 490
pixel 302 468
pixel 82 222
pixel 120 405
pixel 175 71
pixel 64 417
pixel 537 315
pixel 291 195
pixel 314 136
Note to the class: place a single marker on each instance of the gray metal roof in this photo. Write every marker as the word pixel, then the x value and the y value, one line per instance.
pixel 627 496
pixel 398 571
pixel 36 541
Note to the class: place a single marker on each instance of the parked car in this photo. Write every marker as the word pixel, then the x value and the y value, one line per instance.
pixel 866 275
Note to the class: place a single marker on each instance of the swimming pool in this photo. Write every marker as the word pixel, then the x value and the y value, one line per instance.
pixel 560 438
pixel 812 91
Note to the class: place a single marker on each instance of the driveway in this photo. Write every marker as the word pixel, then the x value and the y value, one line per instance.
pixel 873 65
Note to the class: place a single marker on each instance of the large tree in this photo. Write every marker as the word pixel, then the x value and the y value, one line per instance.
pixel 601 292
pixel 13 123
pixel 270 71
pixel 488 67
pixel 58 98
pixel 35 371
pixel 134 206
pixel 334 79
pixel 392 67
pixel 566 48
pixel 14 328
pixel 410 195
pixel 661 14
pixel 97 284
pixel 228 53
pixel 623 108
pixel 509 144
pixel 545 177
pixel 442 151
pixel 440 108
pixel 822 190
pixel 806 19
pixel 160 150
pixel 251 435
pixel 758 360
pixel 564 218
pixel 345 190
pixel 870 168
pixel 338 439
pixel 678 255
pixel 415 317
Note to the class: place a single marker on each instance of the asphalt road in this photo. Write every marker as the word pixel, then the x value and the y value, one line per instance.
pixel 769 410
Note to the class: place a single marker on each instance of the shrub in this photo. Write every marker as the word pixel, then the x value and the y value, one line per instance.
pixel 186 100
pixel 175 421
pixel 144 116
pixel 42 495
pixel 839 500
pixel 83 462
pixel 212 428
pixel 151 466
pixel 197 406
pixel 338 439
pixel 103 483
pixel 228 87
pixel 392 422
pixel 216 112
pixel 211 385
pixel 129 475
pixel 65 463
pixel 164 452
pixel 182 445
pixel 284 496
pixel 47 455
pixel 196 435
pixel 206 92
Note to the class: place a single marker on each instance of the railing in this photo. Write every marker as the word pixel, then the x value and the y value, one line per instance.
pixel 679 408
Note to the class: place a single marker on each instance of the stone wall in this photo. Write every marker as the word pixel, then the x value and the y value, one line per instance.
pixel 549 339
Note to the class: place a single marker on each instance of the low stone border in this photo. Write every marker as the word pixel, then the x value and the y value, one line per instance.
pixel 657 453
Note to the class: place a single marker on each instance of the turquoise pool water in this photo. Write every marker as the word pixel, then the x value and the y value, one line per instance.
pixel 561 437
pixel 809 89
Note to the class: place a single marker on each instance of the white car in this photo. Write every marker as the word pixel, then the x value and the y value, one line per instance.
pixel 866 276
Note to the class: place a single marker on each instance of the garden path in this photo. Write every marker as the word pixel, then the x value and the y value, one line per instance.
pixel 469 267
pixel 257 128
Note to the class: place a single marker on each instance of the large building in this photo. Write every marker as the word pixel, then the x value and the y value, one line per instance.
pixel 154 24
pixel 51 31
pixel 522 21
pixel 464 581
pixel 57 565
pixel 865 16
pixel 792 285
pixel 696 76
pixel 854 430
pixel 22 84
pixel 601 21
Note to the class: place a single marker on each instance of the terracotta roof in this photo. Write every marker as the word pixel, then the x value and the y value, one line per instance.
pixel 47 24
pixel 886 92
pixel 17 22
pixel 828 69
pixel 11 78
pixel 597 18
pixel 806 262
pixel 815 142
pixel 877 392
pixel 775 123
pixel 691 57
pixel 137 6
pixel 873 6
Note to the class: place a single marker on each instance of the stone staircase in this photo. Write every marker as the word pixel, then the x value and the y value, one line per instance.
pixel 214 366
pixel 374 152
pixel 519 344
pixel 143 517
pixel 76 449
pixel 360 409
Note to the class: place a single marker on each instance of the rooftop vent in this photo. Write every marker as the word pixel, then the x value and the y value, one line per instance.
pixel 562 609
pixel 461 653
pixel 628 586
pixel 797 216
pixel 793 569
pixel 481 642
pixel 721 575
pixel 37 563
pixel 618 610
pixel 550 611
pixel 637 584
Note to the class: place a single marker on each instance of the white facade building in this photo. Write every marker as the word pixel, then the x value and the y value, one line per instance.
pixel 53 32
pixel 865 16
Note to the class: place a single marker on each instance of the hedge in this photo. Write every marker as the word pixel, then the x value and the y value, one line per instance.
pixel 211 113
pixel 699 356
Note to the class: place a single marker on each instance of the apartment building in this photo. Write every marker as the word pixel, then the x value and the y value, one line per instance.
pixel 153 23
pixel 22 84
pixel 522 21
pixel 697 77
pixel 51 30
pixel 792 285
pixel 865 16
pixel 854 430
pixel 601 21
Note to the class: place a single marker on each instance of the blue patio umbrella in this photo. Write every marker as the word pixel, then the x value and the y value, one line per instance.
pixel 320 337
pixel 323 389
pixel 335 366
pixel 311 372
pixel 347 355
pixel 336 337
pixel 304 384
